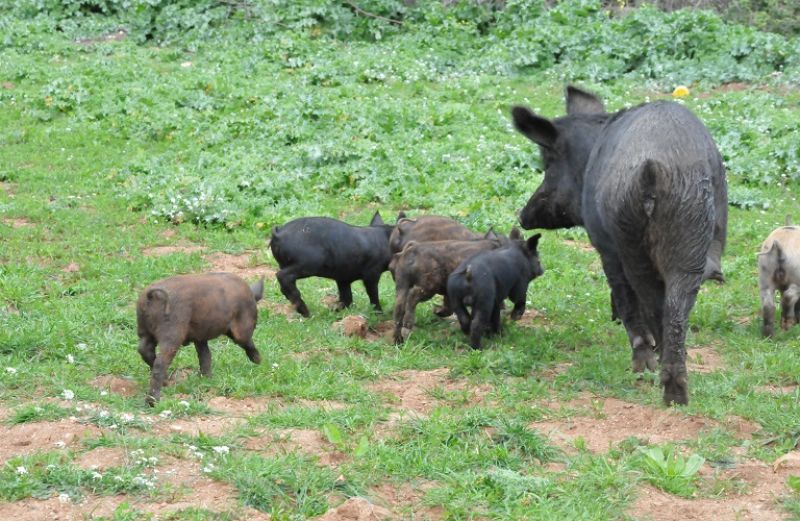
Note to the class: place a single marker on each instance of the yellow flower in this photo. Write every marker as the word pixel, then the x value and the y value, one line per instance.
pixel 680 91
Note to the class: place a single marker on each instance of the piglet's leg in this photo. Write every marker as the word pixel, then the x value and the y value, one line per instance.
pixel 204 357
pixel 789 302
pixel 158 373
pixel 371 285
pixel 480 318
pixel 517 296
pixel 287 278
pixel 345 295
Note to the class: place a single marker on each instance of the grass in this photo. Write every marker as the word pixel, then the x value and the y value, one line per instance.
pixel 95 141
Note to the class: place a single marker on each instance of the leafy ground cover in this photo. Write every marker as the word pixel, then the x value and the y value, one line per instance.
pixel 129 156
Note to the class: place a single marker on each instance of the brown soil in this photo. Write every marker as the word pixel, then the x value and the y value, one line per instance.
pixel 102 458
pixel 7 85
pixel 158 251
pixel 383 331
pixel 703 359
pixel 353 325
pixel 583 246
pixel 209 425
pixel 72 267
pixel 614 420
pixel 356 509
pixel 762 487
pixel 410 393
pixel 242 406
pixel 17 222
pixel 533 318
pixel 777 389
pixel 406 500
pixel 325 405
pixel 115 384
pixel 28 438
pixel 242 265
pixel 305 441
pixel 555 370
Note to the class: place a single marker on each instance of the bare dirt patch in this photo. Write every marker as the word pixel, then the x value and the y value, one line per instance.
pixel 305 441
pixel 58 510
pixel 353 325
pixel 17 222
pixel 758 502
pixel 356 509
pixel 533 318
pixel 115 384
pixel 209 425
pixel 242 406
pixel 242 265
pixel 406 499
pixel 612 421
pixel 383 331
pixel 102 458
pixel 159 251
pixel 777 390
pixel 28 438
pixel 411 389
pixel 115 36
pixel 704 359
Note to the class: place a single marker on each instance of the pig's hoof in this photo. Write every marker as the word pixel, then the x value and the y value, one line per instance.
pixel 644 358
pixel 254 356
pixel 442 311
pixel 676 387
pixel 303 310
pixel 150 400
pixel 405 333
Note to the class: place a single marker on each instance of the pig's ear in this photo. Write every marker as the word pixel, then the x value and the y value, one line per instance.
pixel 533 241
pixel 582 102
pixel 539 130
pixel 376 220
pixel 490 234
pixel 515 235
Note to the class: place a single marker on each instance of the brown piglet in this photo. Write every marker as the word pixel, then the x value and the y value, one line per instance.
pixel 179 310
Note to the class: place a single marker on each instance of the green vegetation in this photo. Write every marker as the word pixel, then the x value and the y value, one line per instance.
pixel 206 123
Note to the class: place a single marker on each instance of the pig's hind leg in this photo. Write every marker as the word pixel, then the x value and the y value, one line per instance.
pixel 789 302
pixel 371 285
pixel 204 357
pixel 345 295
pixel 287 278
pixel 147 349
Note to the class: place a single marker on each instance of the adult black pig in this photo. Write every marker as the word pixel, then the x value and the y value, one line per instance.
pixel 649 186
pixel 324 247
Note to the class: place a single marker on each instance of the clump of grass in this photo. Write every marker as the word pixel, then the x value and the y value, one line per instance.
pixel 668 470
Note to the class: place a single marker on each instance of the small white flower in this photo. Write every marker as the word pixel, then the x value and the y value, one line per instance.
pixel 186 64
pixel 184 403
pixel 208 468
pixel 68 394
pixel 11 370
pixel 97 475
pixel 113 426
pixel 275 365
pixel 63 498
pixel 126 417
pixel 103 414
pixel 81 346
pixel 103 393
pixel 70 359
pixel 22 471
pixel 60 444
pixel 166 414
pixel 118 478
pixel 221 449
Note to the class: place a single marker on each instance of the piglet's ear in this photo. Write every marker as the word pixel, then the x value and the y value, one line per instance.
pixel 539 130
pixel 533 241
pixel 582 102
pixel 515 235
pixel 376 220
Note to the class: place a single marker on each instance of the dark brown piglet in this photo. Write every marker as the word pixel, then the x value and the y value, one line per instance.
pixel 179 310
pixel 427 228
